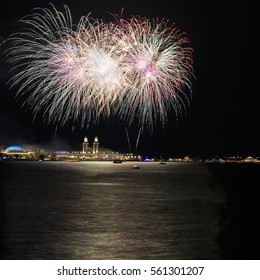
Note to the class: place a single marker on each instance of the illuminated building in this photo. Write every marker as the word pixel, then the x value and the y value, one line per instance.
pixel 17 152
pixel 97 153
pixel 95 146
pixel 85 145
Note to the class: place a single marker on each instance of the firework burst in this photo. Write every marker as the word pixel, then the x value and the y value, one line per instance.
pixel 135 69
pixel 159 63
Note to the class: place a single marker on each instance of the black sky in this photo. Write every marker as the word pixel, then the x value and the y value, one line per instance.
pixel 223 117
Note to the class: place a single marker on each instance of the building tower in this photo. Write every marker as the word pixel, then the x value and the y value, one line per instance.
pixel 95 145
pixel 85 145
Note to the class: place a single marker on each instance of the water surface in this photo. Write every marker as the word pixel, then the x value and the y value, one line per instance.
pixel 102 210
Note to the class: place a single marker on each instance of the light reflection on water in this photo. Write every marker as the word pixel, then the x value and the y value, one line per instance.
pixel 102 210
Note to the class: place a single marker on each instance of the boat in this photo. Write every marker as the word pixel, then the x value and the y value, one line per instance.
pixel 135 167
pixel 117 161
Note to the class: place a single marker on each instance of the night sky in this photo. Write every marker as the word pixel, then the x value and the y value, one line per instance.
pixel 223 117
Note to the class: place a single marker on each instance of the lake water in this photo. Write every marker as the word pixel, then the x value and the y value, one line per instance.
pixel 102 210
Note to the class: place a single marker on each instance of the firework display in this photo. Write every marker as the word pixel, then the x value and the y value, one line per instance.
pixel 136 69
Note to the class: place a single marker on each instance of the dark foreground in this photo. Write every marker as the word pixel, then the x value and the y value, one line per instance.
pixel 240 235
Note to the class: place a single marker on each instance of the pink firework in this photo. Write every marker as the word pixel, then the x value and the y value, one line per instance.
pixel 159 64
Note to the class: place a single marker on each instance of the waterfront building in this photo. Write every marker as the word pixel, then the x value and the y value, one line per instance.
pixel 17 152
pixel 95 146
pixel 96 153
pixel 85 145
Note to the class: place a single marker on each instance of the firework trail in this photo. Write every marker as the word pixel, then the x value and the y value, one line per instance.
pixel 133 69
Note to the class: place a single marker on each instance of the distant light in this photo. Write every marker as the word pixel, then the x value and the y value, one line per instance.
pixel 14 148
